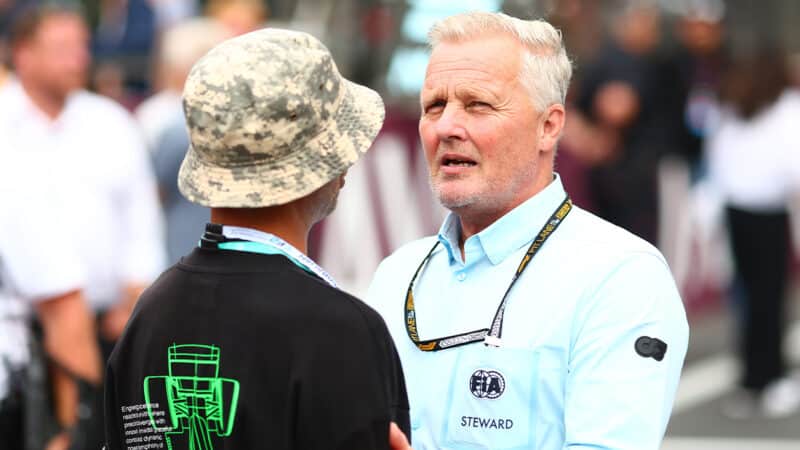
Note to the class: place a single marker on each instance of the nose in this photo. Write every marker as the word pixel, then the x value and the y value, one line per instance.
pixel 450 125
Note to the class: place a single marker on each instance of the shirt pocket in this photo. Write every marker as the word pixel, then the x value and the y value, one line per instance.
pixel 492 400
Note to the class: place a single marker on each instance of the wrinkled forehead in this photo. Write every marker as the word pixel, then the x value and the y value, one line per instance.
pixel 490 60
pixel 496 50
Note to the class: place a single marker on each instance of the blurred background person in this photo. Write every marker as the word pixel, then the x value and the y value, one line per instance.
pixel 700 56
pixel 90 147
pixel 794 69
pixel 172 12
pixel 123 38
pixel 628 96
pixel 754 163
pixel 162 121
pixel 8 9
pixel 179 47
pixel 239 16
pixel 45 324
pixel 4 73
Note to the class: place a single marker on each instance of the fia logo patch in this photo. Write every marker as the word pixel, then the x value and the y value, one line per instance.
pixel 487 384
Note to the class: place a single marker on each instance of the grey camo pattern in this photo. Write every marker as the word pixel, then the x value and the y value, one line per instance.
pixel 271 120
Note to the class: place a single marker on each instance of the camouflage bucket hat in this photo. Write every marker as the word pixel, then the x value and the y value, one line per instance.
pixel 271 120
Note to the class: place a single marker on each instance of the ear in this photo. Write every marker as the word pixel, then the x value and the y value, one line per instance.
pixel 552 124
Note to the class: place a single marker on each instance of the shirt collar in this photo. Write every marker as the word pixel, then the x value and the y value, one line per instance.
pixel 273 243
pixel 509 233
pixel 29 112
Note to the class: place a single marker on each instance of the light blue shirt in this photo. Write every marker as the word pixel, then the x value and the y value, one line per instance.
pixel 568 374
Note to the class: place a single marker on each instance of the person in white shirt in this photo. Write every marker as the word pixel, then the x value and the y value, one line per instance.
pixel 40 278
pixel 754 166
pixel 88 149
pixel 527 322
pixel 91 147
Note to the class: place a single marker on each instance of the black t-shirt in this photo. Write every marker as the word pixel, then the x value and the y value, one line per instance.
pixel 235 350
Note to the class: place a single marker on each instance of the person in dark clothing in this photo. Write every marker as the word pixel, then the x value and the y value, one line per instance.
pixel 702 57
pixel 630 94
pixel 246 342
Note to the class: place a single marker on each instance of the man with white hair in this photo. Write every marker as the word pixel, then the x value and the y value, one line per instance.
pixel 527 322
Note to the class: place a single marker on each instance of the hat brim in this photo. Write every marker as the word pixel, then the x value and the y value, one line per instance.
pixel 348 135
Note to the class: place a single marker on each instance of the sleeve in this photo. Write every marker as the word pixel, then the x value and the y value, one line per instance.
pixel 355 388
pixel 628 348
pixel 396 384
pixel 390 374
pixel 376 436
pixel 140 221
pixel 378 299
pixel 37 259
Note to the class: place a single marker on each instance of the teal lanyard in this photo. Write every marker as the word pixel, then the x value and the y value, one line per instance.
pixel 254 241
pixel 258 247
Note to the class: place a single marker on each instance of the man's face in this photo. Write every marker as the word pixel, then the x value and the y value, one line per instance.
pixel 699 36
pixel 57 57
pixel 479 127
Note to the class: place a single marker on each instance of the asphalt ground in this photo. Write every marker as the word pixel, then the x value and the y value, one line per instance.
pixel 708 380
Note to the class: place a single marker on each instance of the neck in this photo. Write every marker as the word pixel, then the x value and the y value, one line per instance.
pixel 284 221
pixel 473 222
pixel 51 105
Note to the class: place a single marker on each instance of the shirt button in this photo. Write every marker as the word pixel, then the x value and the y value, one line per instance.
pixel 461 276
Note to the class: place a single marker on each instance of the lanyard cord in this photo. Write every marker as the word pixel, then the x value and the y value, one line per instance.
pixel 254 241
pixel 488 334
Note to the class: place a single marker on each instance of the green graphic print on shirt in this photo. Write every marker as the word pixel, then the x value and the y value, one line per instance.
pixel 200 402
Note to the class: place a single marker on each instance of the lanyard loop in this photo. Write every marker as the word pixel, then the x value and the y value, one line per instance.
pixel 490 335
pixel 254 241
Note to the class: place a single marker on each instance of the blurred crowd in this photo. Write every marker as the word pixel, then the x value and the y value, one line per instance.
pixel 674 132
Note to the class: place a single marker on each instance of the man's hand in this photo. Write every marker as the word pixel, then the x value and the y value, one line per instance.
pixel 69 339
pixel 59 442
pixel 397 440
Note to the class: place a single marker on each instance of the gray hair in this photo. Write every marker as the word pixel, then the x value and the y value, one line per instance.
pixel 546 69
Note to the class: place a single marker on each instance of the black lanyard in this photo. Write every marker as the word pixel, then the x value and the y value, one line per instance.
pixel 496 330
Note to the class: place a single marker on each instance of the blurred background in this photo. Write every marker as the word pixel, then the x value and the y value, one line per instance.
pixel 683 127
